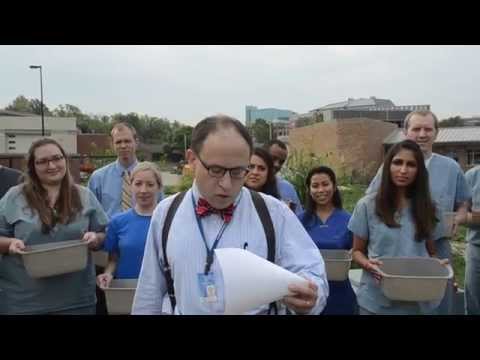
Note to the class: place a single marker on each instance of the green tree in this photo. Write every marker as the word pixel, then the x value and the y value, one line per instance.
pixel 86 123
pixel 32 106
pixel 20 104
pixel 156 130
pixel 307 121
pixel 451 122
pixel 261 131
pixel 180 133
pixel 68 110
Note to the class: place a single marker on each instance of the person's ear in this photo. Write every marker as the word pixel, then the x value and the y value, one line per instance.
pixel 191 157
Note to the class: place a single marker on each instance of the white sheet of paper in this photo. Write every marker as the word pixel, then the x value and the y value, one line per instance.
pixel 251 281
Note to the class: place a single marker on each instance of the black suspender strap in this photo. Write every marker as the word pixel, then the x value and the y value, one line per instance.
pixel 166 228
pixel 266 220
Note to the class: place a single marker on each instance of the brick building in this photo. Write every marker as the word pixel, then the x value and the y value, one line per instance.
pixel 352 144
pixel 92 144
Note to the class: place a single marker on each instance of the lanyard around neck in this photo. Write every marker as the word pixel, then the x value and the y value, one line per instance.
pixel 210 251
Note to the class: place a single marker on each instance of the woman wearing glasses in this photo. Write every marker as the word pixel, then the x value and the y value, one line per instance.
pixel 48 207
pixel 261 177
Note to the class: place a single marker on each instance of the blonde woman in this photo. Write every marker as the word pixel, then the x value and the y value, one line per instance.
pixel 127 231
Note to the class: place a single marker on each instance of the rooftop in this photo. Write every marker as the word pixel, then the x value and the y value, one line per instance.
pixel 353 103
pixel 464 134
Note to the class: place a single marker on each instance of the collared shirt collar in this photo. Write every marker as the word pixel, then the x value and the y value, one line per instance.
pixel 427 161
pixel 120 169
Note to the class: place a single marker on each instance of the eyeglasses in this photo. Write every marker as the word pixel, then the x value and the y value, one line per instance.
pixel 45 162
pixel 219 172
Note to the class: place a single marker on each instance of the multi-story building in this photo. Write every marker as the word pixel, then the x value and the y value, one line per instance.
pixel 252 114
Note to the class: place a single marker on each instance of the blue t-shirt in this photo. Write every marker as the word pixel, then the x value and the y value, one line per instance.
pixel 126 236
pixel 333 234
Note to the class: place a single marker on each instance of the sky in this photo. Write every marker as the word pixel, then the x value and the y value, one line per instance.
pixel 188 83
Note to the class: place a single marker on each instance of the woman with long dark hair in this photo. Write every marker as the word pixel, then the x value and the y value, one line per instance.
pixel 326 223
pixel 261 176
pixel 399 220
pixel 47 208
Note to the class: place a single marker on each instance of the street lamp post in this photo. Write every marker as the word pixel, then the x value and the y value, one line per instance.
pixel 41 95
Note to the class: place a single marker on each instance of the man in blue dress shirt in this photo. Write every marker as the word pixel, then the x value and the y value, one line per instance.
pixel 106 183
pixel 219 155
pixel 279 152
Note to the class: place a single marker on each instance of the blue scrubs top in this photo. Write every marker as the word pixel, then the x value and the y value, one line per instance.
pixel 390 242
pixel 333 234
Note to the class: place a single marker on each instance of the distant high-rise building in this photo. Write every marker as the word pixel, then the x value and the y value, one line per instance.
pixel 252 114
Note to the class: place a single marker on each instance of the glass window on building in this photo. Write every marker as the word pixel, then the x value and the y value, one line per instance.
pixel 473 157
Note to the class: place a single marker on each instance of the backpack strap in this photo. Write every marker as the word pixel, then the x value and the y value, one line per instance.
pixel 166 228
pixel 267 223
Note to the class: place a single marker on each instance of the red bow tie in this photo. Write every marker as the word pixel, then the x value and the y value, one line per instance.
pixel 204 208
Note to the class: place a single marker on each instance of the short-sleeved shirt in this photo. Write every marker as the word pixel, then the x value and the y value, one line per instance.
pixel 383 241
pixel 473 180
pixel 333 234
pixel 22 294
pixel 288 193
pixel 107 185
pixel 126 236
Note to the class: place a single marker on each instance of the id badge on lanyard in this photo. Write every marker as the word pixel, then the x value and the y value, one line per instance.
pixel 207 288
pixel 207 282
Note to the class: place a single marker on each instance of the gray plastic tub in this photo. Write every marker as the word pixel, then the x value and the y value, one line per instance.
pixel 55 258
pixel 100 258
pixel 337 263
pixel 414 278
pixel 119 296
